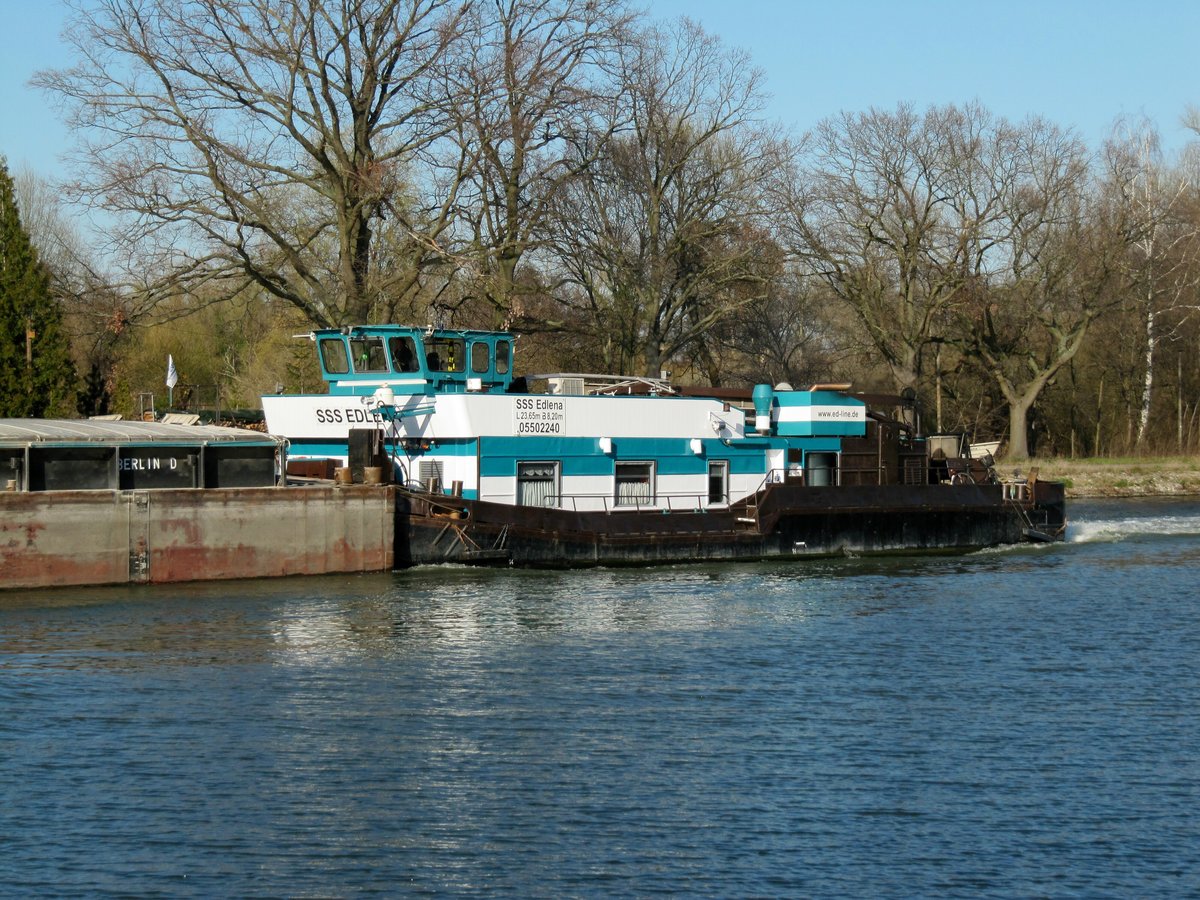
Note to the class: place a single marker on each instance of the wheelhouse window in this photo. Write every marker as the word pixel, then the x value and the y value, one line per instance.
pixel 445 354
pixel 503 353
pixel 368 354
pixel 480 358
pixel 333 356
pixel 718 481
pixel 404 354
pixel 635 483
pixel 537 484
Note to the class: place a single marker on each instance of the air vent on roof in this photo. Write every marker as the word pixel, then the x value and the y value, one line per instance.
pixel 568 386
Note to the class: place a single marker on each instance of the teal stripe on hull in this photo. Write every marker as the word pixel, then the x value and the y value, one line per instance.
pixel 582 456
pixel 317 448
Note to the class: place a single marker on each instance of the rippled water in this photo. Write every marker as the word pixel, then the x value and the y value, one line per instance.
pixel 1010 723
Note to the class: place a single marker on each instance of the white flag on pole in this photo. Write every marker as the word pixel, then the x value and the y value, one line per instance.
pixel 172 375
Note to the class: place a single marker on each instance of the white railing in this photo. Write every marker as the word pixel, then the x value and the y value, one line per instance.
pixel 680 502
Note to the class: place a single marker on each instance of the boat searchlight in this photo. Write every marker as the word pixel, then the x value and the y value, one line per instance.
pixel 385 396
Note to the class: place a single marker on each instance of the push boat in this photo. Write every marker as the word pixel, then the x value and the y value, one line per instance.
pixel 575 469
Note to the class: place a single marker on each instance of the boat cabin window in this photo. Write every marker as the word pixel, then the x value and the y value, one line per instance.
pixel 480 362
pixel 368 354
pixel 333 356
pixel 404 354
pixel 444 354
pixel 795 467
pixel 718 481
pixel 537 484
pixel 635 483
pixel 502 356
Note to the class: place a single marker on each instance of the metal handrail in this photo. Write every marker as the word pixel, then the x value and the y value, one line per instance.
pixel 675 502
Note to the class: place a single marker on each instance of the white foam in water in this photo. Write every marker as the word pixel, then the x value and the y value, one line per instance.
pixel 1118 529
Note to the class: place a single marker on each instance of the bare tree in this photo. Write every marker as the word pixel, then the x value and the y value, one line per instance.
pixel 60 244
pixel 787 336
pixel 1051 270
pixel 873 213
pixel 533 107
pixel 663 235
pixel 276 143
pixel 958 229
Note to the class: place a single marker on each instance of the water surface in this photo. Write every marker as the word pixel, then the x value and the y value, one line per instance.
pixel 1018 722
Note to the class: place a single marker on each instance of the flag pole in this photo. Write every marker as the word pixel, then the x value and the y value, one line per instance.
pixel 172 380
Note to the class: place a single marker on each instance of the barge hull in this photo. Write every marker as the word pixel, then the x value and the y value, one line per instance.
pixel 785 521
pixel 65 538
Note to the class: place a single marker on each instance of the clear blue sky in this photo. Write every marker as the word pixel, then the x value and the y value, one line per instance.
pixel 1078 63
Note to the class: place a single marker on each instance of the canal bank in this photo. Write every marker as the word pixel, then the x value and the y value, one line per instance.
pixel 1166 476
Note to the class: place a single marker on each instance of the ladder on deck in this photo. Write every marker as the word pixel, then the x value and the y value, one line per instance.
pixel 748 515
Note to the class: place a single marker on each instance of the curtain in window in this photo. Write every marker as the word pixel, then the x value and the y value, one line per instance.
pixel 633 484
pixel 536 484
pixel 633 492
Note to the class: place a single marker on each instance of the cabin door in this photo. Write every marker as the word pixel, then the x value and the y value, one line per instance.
pixel 821 469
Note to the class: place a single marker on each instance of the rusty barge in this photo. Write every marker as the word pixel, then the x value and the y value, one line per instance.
pixel 88 502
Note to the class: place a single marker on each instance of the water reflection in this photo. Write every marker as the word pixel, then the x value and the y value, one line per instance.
pixel 459 610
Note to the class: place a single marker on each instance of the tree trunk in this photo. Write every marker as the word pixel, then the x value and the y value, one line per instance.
pixel 904 370
pixel 938 389
pixel 1148 379
pixel 1179 404
pixel 1019 405
pixel 1018 428
pixel 653 352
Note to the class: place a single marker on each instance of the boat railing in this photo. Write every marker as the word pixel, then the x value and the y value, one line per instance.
pixel 778 476
pixel 1014 490
pixel 1020 490
pixel 593 384
pixel 666 503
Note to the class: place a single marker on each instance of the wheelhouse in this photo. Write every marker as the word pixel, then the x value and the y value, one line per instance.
pixel 411 360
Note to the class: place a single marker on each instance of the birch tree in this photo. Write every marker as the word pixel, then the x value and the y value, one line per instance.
pixel 1164 249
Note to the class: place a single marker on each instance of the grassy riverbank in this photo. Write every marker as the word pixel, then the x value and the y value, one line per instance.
pixel 1118 477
